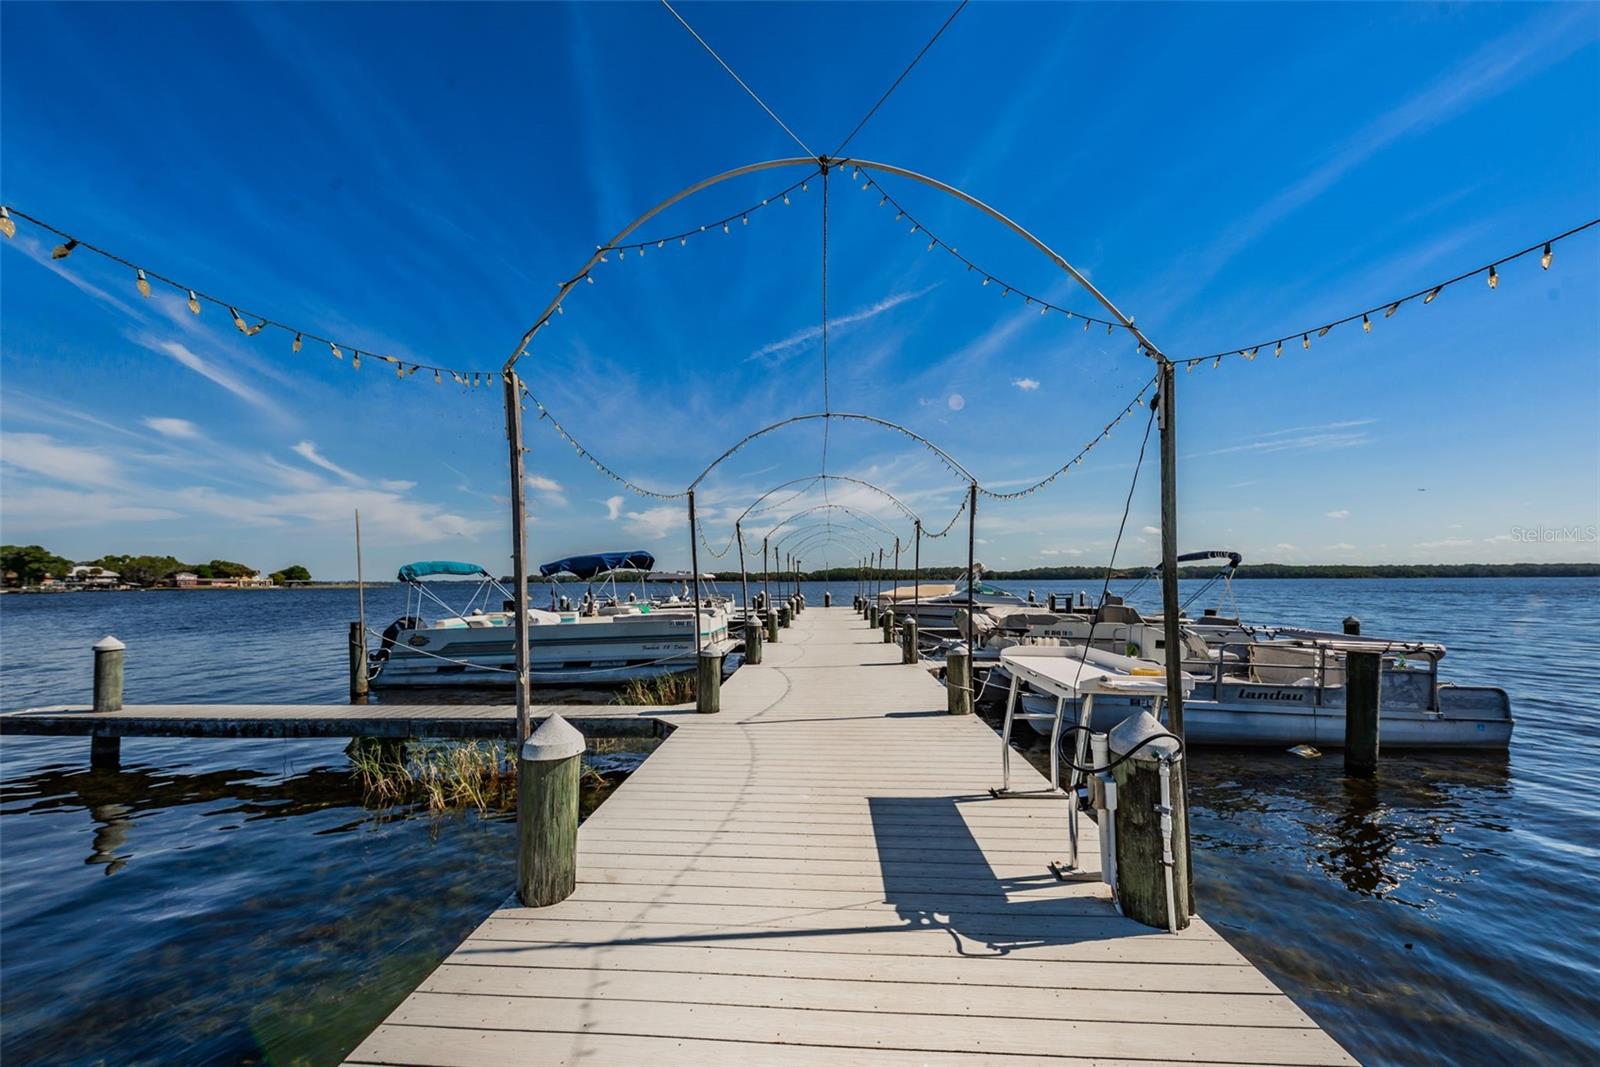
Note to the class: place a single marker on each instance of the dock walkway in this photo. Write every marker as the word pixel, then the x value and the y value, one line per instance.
pixel 818 875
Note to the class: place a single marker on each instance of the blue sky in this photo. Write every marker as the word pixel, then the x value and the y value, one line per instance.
pixel 415 180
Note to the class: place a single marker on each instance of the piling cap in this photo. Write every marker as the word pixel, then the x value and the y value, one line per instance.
pixel 109 644
pixel 1135 729
pixel 555 739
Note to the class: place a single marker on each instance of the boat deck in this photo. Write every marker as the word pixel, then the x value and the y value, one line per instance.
pixel 818 875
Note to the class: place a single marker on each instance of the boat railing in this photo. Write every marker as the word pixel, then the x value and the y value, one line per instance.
pixel 1316 665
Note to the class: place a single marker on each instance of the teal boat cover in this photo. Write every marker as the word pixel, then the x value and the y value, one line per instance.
pixel 412 571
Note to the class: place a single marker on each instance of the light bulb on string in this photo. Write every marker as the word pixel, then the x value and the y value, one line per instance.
pixel 588 278
pixel 1544 260
pixel 661 243
pixel 1494 279
pixel 355 360
pixel 985 279
pixel 786 198
pixel 1044 309
pixel 7 226
pixel 804 187
pixel 194 302
pixel 1305 340
pixel 142 284
pixel 1389 311
pixel 725 228
pixel 561 309
pixel 62 251
pixel 932 245
pixel 437 380
pixel 882 200
pixel 746 220
pixel 238 322
pixel 1216 363
pixel 1324 331
pixel 257 328
pixel 1435 292
pixel 1086 325
pixel 1278 353
pixel 295 346
pixel 335 350
pixel 1366 324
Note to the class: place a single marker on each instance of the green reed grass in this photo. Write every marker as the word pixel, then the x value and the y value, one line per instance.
pixel 665 689
pixel 444 775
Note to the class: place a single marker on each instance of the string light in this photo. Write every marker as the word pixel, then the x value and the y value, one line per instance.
pixel 335 350
pixel 7 227
pixel 62 251
pixel 194 302
pixel 295 347
pixel 1491 271
pixel 238 322
pixel 142 284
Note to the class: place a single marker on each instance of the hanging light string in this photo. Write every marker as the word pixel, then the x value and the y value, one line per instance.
pixel 723 223
pixel 241 316
pixel 1490 271
pixel 1077 460
pixel 544 414
pixel 990 280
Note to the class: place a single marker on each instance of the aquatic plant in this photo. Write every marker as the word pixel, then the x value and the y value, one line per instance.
pixel 665 689
pixel 456 775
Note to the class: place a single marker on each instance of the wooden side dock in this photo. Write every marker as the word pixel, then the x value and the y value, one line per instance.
pixel 818 875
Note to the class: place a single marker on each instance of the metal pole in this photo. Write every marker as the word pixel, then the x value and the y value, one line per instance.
pixel 896 563
pixel 766 578
pixel 744 578
pixel 694 563
pixel 519 544
pixel 916 572
pixel 972 535
pixel 361 588
pixel 1167 414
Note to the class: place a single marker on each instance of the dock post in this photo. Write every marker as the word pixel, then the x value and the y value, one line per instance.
pixel 888 626
pixel 1363 674
pixel 827 599
pixel 772 622
pixel 1352 626
pixel 358 663
pixel 785 612
pixel 752 641
pixel 908 642
pixel 872 614
pixel 548 770
pixel 958 680
pixel 1152 824
pixel 106 752
pixel 708 682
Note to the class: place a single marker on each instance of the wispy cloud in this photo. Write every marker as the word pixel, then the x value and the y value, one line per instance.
pixel 213 372
pixel 1027 385
pixel 777 351
pixel 307 450
pixel 42 455
pixel 1444 542
pixel 1341 513
pixel 613 507
pixel 182 429
pixel 1325 437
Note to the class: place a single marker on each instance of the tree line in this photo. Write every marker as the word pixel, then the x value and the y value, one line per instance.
pixel 26 565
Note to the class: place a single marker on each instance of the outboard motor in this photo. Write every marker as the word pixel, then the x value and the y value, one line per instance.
pixel 391 634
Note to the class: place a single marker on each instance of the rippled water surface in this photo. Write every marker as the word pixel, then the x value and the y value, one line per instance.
pixel 240 901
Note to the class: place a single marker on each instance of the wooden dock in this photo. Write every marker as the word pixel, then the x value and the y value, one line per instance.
pixel 818 875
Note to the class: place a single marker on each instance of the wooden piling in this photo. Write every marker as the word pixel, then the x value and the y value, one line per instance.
pixel 1143 846
pixel 784 614
pixel 827 599
pixel 547 813
pixel 708 682
pixel 1363 679
pixel 771 614
pixel 887 620
pixel 752 641
pixel 1352 626
pixel 358 663
pixel 872 614
pixel 908 642
pixel 958 680
pixel 109 654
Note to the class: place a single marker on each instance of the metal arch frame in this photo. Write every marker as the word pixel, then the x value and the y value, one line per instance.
pixel 949 460
pixel 798 534
pixel 858 541
pixel 824 164
pixel 846 508
pixel 905 509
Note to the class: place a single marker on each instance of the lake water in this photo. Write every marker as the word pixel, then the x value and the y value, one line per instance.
pixel 242 902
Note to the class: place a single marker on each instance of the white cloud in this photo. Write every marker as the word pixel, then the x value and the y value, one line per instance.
pixel 614 507
pixel 804 337
pixel 1284 546
pixel 210 371
pixel 1342 513
pixel 539 483
pixel 400 518
pixel 42 455
pixel 1027 385
pixel 1061 552
pixel 395 485
pixel 50 509
pixel 307 450
pixel 1342 546
pixel 1150 529
pixel 656 523
pixel 1447 542
pixel 179 428
pixel 956 401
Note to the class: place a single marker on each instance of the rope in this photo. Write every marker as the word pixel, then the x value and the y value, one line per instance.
pixel 713 53
pixel 914 61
